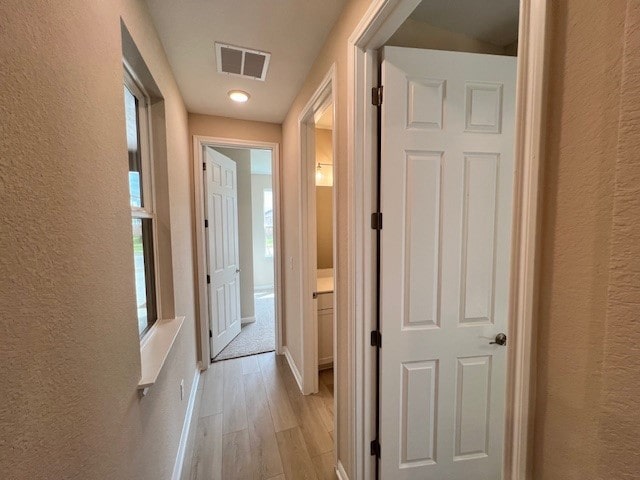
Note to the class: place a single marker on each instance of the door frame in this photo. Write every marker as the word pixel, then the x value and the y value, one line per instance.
pixel 202 299
pixel 380 21
pixel 319 101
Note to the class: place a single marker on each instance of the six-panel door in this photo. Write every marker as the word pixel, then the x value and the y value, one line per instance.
pixel 446 192
pixel 221 194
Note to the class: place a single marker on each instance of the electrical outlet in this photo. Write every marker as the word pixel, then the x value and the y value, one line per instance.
pixel 182 389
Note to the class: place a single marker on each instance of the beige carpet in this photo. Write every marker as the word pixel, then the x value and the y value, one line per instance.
pixel 256 337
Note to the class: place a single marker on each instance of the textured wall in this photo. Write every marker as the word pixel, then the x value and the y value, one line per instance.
pixel 212 126
pixel 69 406
pixel 619 422
pixel 587 420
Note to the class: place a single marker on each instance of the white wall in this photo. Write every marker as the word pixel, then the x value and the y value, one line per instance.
pixel 415 34
pixel 263 272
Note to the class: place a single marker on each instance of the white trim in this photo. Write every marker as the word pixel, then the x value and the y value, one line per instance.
pixel 319 102
pixel 186 427
pixel 155 348
pixel 340 471
pixel 202 308
pixel 148 177
pixel 382 19
pixel 530 100
pixel 292 366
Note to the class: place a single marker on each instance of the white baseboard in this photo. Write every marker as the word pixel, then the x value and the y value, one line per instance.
pixel 246 320
pixel 186 427
pixel 292 366
pixel 342 475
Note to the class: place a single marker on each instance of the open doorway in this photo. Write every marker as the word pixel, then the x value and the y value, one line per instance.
pixel 318 239
pixel 255 252
pixel 238 247
pixel 325 278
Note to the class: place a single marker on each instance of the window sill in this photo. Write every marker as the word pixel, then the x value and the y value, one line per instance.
pixel 154 349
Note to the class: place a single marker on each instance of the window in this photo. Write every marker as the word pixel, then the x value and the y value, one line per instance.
pixel 141 201
pixel 267 204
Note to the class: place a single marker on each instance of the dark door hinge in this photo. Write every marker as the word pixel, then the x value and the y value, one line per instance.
pixel 375 448
pixel 208 279
pixel 376 96
pixel 376 339
pixel 376 221
pixel 204 166
pixel 206 223
pixel 210 334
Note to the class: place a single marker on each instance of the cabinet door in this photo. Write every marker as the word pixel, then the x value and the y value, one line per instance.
pixel 325 337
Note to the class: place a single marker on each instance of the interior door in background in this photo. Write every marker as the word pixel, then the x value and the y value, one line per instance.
pixel 221 213
pixel 447 156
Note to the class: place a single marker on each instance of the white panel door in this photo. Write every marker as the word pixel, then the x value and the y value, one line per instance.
pixel 446 192
pixel 221 210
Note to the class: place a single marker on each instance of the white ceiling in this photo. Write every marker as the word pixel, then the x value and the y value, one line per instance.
pixel 293 31
pixel 492 21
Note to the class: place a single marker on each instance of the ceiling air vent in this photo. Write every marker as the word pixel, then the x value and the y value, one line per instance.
pixel 242 62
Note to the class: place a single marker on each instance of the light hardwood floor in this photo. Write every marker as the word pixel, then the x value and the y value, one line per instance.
pixel 253 423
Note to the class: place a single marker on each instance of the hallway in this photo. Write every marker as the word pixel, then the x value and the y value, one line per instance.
pixel 253 423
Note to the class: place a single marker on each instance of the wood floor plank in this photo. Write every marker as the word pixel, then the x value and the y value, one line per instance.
pixel 234 414
pixel 262 435
pixel 277 396
pixel 250 364
pixel 207 456
pixel 212 391
pixel 323 401
pixel 295 457
pixel 260 426
pixel 315 434
pixel 313 418
pixel 237 463
pixel 325 470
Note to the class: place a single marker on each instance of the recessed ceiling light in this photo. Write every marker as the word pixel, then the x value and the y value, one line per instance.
pixel 238 96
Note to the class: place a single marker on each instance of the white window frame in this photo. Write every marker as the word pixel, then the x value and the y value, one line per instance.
pixel 264 226
pixel 147 190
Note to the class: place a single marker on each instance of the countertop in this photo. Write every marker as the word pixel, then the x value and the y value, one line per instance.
pixel 324 285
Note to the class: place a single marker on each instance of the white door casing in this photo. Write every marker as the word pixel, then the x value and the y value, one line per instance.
pixel 447 156
pixel 221 212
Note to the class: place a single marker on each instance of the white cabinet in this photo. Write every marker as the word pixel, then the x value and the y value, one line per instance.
pixel 325 329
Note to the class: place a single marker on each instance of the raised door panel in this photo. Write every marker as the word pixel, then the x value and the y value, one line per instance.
pixel 425 103
pixel 479 237
pixel 473 381
pixel 419 405
pixel 422 236
pixel 215 234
